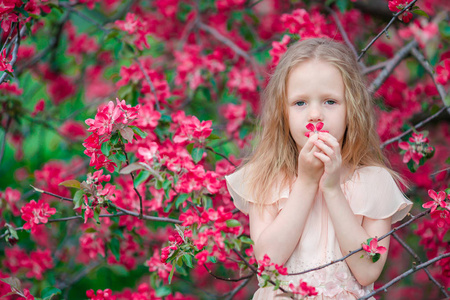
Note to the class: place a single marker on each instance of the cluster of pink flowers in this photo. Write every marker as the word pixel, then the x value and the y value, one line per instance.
pixel 443 72
pixel 12 198
pixel 278 49
pixel 303 289
pixel 155 264
pixel 109 119
pixel 101 295
pixel 34 264
pixel 441 216
pixel 191 129
pixel 265 265
pixel 307 24
pixel 214 234
pixel 416 148
pixel 175 240
pixel 36 213
pixel 136 27
pixel 397 5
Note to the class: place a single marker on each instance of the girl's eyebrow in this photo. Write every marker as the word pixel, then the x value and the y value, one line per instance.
pixel 322 95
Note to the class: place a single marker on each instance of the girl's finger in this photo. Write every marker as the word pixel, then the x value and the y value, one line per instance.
pixel 324 158
pixel 325 148
pixel 329 139
pixel 310 143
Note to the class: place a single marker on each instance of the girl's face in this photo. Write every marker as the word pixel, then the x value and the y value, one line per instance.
pixel 315 92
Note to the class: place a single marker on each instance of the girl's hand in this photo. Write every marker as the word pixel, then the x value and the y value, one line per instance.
pixel 310 168
pixel 332 161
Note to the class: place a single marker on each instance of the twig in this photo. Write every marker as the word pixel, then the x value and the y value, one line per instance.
pixel 420 124
pixel 425 212
pixel 228 279
pixel 391 65
pixel 423 61
pixel 385 28
pixel 150 83
pixel 145 217
pixel 220 154
pixel 376 67
pixel 237 289
pixel 403 275
pixel 341 29
pixel 16 49
pixel 417 258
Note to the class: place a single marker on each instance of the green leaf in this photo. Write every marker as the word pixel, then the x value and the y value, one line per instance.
pixel 106 148
pixel 376 257
pixel 233 223
pixel 171 272
pixel 48 292
pixel 114 138
pixel 246 240
pixel 213 137
pixel 197 154
pixel 187 259
pixel 141 177
pixel 181 199
pixel 421 13
pixel 189 147
pixel 114 245
pixel 139 132
pixel 342 5
pixel 329 2
pixel 163 291
pixel 96 215
pixel 90 230
pixel 78 199
pixel 119 270
pixel 71 183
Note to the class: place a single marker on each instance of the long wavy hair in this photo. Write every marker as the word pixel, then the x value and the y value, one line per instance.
pixel 275 155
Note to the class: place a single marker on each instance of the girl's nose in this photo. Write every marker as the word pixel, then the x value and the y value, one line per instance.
pixel 315 114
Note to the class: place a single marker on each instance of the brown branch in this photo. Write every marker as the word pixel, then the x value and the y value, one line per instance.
pixel 391 65
pixel 150 83
pixel 228 279
pixel 385 29
pixel 420 124
pixel 220 154
pixel 232 293
pixel 145 217
pixel 425 212
pixel 16 42
pixel 417 258
pixel 423 61
pixel 405 274
pixel 376 67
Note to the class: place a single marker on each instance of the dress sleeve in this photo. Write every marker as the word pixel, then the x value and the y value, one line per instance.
pixel 377 196
pixel 238 189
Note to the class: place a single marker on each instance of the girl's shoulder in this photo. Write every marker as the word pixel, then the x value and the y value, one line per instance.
pixel 373 192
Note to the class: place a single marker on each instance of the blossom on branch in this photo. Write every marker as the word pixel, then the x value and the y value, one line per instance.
pixel 443 72
pixel 303 289
pixel 372 248
pixel 397 5
pixel 36 213
pixel 438 200
pixel 4 62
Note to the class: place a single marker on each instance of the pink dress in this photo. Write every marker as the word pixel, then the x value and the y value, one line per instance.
pixel 371 192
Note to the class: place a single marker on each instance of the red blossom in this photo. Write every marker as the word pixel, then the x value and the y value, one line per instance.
pixel 438 200
pixel 278 49
pixel 40 105
pixel 155 264
pixel 101 295
pixel 4 62
pixel 314 128
pixel 397 5
pixel 373 247
pixel 35 213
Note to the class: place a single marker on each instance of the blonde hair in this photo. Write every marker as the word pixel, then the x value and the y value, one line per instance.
pixel 275 155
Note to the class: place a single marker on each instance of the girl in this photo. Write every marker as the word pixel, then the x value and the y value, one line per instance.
pixel 314 195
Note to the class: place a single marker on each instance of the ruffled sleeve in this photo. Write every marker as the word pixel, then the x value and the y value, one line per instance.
pixel 376 195
pixel 237 185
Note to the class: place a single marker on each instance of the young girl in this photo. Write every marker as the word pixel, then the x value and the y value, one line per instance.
pixel 314 195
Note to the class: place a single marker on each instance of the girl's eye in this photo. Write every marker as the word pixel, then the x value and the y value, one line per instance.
pixel 300 103
pixel 331 102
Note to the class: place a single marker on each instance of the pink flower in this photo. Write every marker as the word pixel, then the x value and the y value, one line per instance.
pixel 443 72
pixel 130 24
pixel 278 49
pixel 398 5
pixel 410 153
pixel 438 199
pixel 40 105
pixel 303 289
pixel 373 247
pixel 36 213
pixel 442 217
pixel 314 129
pixel 4 62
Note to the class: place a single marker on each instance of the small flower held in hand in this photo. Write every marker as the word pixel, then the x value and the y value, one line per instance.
pixel 372 248
pixel 314 129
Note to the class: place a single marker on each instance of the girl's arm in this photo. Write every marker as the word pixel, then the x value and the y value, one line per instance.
pixel 277 234
pixel 349 233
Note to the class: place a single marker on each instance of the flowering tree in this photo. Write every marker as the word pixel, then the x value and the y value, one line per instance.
pixel 120 119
